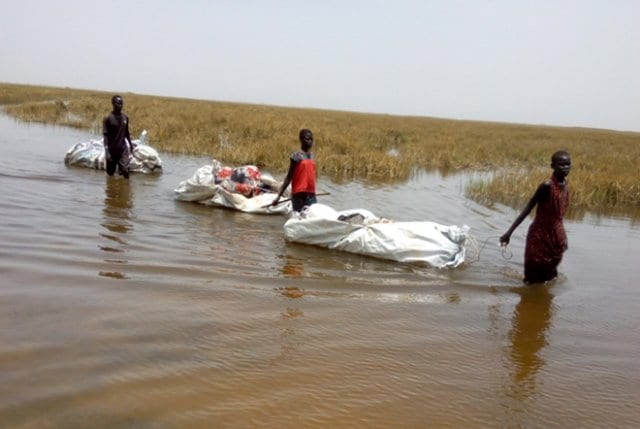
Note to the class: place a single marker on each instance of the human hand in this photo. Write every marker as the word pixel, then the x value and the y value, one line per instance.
pixel 107 155
pixel 504 240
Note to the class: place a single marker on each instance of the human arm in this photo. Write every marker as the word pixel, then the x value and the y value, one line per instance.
pixel 105 136
pixel 107 155
pixel 127 136
pixel 287 181
pixel 541 194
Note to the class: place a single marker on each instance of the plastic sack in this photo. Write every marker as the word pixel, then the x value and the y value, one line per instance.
pixel 143 159
pixel 360 231
pixel 242 188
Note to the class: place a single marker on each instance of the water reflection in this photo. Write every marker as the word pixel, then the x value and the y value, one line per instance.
pixel 117 212
pixel 292 266
pixel 531 321
pixel 290 341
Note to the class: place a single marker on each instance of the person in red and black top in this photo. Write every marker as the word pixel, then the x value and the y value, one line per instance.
pixel 546 238
pixel 301 175
pixel 117 141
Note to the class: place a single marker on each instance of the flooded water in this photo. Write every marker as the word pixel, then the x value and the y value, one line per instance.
pixel 120 307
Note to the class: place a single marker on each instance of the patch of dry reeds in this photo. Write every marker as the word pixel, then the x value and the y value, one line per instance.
pixel 357 145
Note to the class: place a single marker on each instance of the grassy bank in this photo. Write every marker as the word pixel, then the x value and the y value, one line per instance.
pixel 357 145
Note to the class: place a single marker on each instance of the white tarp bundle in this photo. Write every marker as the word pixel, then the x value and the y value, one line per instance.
pixel 143 159
pixel 242 188
pixel 360 231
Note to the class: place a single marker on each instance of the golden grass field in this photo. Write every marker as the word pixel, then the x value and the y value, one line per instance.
pixel 368 147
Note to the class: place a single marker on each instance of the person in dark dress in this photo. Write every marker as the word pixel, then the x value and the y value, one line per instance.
pixel 117 142
pixel 301 174
pixel 546 238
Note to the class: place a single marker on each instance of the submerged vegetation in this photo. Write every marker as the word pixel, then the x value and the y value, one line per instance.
pixel 364 146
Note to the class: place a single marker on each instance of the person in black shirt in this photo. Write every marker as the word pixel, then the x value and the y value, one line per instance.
pixel 117 142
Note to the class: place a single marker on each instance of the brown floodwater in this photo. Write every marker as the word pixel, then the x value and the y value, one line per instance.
pixel 120 307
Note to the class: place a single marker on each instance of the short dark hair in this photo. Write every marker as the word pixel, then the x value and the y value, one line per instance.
pixel 559 154
pixel 113 99
pixel 304 131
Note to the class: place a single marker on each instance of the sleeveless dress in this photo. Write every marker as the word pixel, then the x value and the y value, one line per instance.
pixel 546 238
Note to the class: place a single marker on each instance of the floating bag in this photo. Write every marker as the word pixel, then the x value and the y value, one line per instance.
pixel 242 188
pixel 360 231
pixel 143 159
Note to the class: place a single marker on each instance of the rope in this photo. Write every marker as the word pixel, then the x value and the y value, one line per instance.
pixel 506 253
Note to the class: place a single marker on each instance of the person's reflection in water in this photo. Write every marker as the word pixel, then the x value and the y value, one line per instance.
pixel 290 341
pixel 292 267
pixel 531 321
pixel 118 205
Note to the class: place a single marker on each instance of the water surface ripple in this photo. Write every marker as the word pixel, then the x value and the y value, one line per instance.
pixel 121 307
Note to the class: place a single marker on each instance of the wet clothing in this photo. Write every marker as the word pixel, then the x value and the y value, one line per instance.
pixel 116 133
pixel 546 238
pixel 301 199
pixel 119 162
pixel 303 180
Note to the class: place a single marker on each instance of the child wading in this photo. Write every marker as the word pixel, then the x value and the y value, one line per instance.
pixel 301 174
pixel 546 239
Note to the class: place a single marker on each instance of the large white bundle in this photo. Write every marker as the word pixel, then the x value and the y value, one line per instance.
pixel 206 187
pixel 360 231
pixel 143 159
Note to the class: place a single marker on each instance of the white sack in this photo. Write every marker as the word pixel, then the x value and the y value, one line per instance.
pixel 202 188
pixel 143 159
pixel 417 242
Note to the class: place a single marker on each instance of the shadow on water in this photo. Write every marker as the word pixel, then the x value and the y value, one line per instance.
pixel 117 214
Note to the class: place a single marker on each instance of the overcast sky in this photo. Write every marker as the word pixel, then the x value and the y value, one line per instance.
pixel 570 63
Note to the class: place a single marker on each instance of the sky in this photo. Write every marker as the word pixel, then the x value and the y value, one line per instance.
pixel 566 63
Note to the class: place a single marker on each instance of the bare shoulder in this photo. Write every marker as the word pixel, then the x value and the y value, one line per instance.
pixel 543 189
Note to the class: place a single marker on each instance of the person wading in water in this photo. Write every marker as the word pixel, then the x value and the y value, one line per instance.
pixel 117 142
pixel 301 175
pixel 546 239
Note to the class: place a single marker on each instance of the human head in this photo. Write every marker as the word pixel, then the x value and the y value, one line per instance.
pixel 116 102
pixel 561 163
pixel 306 139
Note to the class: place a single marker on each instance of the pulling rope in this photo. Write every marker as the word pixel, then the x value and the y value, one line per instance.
pixel 506 253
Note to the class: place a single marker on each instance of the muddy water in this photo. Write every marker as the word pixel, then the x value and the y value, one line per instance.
pixel 120 307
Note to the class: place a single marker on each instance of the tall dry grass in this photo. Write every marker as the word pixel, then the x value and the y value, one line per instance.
pixel 359 145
